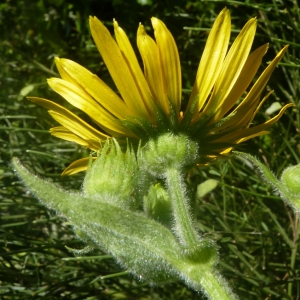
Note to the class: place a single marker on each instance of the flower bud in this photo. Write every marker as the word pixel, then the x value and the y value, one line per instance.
pixel 169 150
pixel 112 176
pixel 290 178
pixel 157 205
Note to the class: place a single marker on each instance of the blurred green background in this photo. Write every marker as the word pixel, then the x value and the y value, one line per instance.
pixel 257 233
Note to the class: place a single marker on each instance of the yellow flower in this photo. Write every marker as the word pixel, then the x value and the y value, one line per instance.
pixel 149 103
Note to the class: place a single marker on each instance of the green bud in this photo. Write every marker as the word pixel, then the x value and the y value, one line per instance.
pixel 157 205
pixel 169 151
pixel 113 174
pixel 290 178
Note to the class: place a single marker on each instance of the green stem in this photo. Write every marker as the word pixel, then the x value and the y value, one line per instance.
pixel 208 281
pixel 198 273
pixel 294 254
pixel 216 288
pixel 184 227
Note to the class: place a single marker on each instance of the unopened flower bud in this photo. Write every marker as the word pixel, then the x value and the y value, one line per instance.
pixel 290 178
pixel 169 150
pixel 112 176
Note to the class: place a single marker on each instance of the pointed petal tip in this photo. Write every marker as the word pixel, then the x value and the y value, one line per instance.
pixel 157 24
pixel 141 29
pixel 94 21
pixel 267 45
pixel 288 106
pixel 64 62
pixel 252 22
pixel 52 80
pixel 224 14
pixel 115 23
pixel 264 48
pixel 280 54
pixel 225 10
pixel 155 21
pixel 58 62
pixel 283 49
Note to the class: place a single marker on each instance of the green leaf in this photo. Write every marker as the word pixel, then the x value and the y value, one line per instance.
pixel 275 106
pixel 27 90
pixel 206 187
pixel 143 246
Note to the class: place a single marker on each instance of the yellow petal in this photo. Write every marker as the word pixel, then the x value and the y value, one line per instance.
pixel 270 122
pixel 77 166
pixel 135 69
pixel 226 151
pixel 170 62
pixel 152 68
pixel 248 137
pixel 65 134
pixel 63 73
pixel 95 87
pixel 231 70
pixel 244 115
pixel 238 136
pixel 81 128
pixel 83 101
pixel 261 82
pixel 246 76
pixel 118 68
pixel 249 113
pixel 211 60
pixel 247 109
pixel 247 133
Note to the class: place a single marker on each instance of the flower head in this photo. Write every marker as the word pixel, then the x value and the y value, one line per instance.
pixel 149 102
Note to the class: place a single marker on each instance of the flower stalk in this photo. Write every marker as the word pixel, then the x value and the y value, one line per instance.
pixel 183 227
pixel 166 157
pixel 213 285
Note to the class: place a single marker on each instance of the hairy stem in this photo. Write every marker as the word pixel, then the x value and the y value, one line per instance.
pixel 210 283
pixel 184 226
